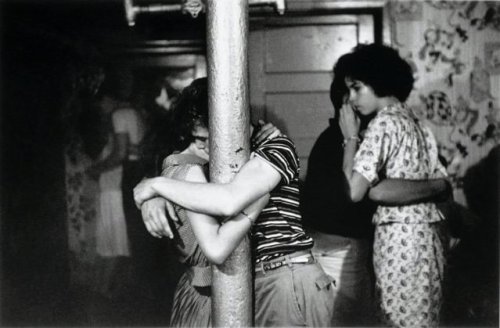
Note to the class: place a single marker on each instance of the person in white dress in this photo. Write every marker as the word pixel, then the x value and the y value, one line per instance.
pixel 122 131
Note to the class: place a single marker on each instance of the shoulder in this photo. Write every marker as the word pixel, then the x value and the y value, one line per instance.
pixel 282 143
pixel 177 159
pixel 426 129
pixel 329 139
pixel 195 173
pixel 386 120
pixel 125 113
pixel 185 167
pixel 122 111
pixel 121 117
pixel 280 153
pixel 280 148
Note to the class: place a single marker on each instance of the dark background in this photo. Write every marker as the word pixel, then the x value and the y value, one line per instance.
pixel 46 46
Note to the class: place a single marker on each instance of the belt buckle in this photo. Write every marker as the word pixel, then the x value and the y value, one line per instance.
pixel 272 265
pixel 301 259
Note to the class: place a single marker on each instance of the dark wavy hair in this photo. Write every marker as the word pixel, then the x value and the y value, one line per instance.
pixel 380 67
pixel 189 111
pixel 339 90
pixel 93 126
pixel 157 142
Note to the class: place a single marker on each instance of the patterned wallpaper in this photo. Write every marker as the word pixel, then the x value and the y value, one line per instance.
pixel 454 48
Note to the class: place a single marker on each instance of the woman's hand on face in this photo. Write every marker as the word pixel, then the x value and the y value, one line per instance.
pixel 349 122
pixel 144 191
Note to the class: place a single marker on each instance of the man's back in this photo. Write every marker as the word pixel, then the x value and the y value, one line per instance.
pixel 325 204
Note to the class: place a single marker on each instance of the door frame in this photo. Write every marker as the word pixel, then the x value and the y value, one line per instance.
pixel 329 7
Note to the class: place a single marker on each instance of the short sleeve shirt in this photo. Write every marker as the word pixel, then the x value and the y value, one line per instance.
pixel 127 120
pixel 278 230
pixel 396 145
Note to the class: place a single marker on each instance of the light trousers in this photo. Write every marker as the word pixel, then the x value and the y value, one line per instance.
pixel 348 262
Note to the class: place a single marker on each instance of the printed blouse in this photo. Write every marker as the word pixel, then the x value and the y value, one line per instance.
pixel 396 145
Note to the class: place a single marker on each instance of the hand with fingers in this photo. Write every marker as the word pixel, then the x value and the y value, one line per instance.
pixel 155 213
pixel 144 191
pixel 265 131
pixel 349 122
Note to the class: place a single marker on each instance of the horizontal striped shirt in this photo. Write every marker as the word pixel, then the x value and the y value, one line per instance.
pixel 278 230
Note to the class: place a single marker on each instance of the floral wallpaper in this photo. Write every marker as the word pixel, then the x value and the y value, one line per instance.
pixel 454 49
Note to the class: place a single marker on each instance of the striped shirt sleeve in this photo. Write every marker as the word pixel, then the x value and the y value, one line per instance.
pixel 280 153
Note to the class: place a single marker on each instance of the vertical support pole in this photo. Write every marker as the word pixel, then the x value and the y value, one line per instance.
pixel 227 35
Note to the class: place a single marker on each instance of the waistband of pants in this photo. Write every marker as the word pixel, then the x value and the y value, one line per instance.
pixel 299 257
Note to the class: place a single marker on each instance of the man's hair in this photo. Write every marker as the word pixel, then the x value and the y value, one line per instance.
pixel 380 67
pixel 338 89
pixel 189 111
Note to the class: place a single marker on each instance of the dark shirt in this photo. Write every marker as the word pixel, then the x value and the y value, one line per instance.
pixel 326 206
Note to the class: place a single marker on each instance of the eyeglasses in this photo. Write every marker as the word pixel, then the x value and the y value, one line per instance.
pixel 201 139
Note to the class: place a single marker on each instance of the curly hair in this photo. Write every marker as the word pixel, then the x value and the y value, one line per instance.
pixel 379 67
pixel 339 90
pixel 189 111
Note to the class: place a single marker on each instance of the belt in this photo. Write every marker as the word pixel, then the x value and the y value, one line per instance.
pixel 301 257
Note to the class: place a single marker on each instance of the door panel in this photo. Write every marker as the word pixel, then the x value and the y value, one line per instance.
pixel 290 61
pixel 303 48
pixel 303 115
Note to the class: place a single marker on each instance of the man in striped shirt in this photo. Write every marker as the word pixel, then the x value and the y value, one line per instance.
pixel 291 289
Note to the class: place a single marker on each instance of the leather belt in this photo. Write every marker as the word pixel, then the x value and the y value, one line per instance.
pixel 300 257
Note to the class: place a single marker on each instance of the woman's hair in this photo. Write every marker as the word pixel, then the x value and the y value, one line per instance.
pixel 189 111
pixel 339 90
pixel 379 67
pixel 93 126
pixel 93 129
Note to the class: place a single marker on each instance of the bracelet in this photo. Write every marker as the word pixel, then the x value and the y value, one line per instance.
pixel 247 216
pixel 344 143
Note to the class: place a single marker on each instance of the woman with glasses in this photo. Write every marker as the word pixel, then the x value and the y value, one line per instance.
pixel 199 239
pixel 291 289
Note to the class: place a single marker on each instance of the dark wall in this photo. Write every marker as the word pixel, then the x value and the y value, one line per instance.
pixel 45 46
pixel 34 242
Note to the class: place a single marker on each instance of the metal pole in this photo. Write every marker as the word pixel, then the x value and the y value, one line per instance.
pixel 227 35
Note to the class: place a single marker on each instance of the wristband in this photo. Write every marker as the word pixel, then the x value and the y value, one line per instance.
pixel 344 143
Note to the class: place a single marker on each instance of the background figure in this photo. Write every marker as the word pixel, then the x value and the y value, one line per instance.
pixel 342 230
pixel 130 128
pixel 100 126
pixel 158 99
pixel 157 262
pixel 472 281
pixel 409 245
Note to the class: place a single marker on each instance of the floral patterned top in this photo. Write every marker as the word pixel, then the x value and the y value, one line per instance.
pixel 396 145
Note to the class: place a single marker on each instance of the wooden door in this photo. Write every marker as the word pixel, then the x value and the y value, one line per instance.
pixel 291 61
